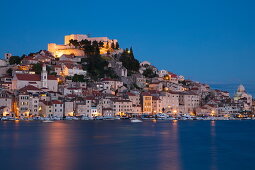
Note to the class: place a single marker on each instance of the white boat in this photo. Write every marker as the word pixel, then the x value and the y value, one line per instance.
pixel 135 120
pixel 117 118
pixel 162 116
pixel 47 121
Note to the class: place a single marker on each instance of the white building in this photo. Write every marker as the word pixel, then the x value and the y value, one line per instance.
pixel 40 81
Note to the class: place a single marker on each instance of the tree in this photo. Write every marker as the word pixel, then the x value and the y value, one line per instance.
pixel 9 71
pixel 37 68
pixel 117 46
pixel 112 45
pixel 78 78
pixel 128 61
pixel 75 43
pixel 101 44
pixel 149 73
pixel 95 66
pixel 14 60
pixel 111 73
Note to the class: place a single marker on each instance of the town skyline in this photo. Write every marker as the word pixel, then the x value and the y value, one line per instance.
pixel 217 39
pixel 93 78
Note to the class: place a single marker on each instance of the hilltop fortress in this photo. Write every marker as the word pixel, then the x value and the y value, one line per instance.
pixel 67 48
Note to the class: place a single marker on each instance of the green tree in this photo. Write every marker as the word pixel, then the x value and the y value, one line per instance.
pixel 129 62
pixel 149 73
pixel 75 43
pixel 95 66
pixel 14 60
pixel 9 72
pixel 117 46
pixel 78 78
pixel 111 73
pixel 112 45
pixel 37 68
pixel 101 44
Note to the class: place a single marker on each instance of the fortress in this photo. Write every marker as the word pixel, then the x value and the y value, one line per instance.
pixel 67 48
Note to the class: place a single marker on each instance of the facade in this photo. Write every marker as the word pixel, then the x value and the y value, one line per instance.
pixel 28 104
pixel 121 107
pixel 146 101
pixel 67 49
pixel 188 102
pixel 44 80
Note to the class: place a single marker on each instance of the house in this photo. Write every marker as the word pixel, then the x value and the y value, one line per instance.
pixel 28 104
pixel 156 86
pixel 108 112
pixel 6 102
pixel 72 69
pixel 40 81
pixel 207 110
pixel 170 101
pixel 188 101
pixel 156 105
pixel 114 84
pixel 146 101
pixel 162 73
pixel 69 108
pixel 121 106
pixel 58 108
pixel 5 111
pixel 87 107
pixel 134 98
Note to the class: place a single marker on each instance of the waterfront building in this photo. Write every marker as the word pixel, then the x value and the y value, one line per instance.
pixel 146 101
pixel 188 101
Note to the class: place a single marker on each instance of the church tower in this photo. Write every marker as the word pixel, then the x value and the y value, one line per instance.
pixel 44 78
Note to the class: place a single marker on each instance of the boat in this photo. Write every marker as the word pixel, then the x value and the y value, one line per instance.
pixel 47 121
pixel 147 117
pixel 117 118
pixel 135 120
pixel 108 118
pixel 9 118
pixel 99 118
pixel 162 116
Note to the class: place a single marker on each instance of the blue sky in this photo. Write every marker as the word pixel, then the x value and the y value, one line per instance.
pixel 211 41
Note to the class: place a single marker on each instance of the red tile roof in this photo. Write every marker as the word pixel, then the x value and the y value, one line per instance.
pixel 29 77
pixel 29 87
pixel 33 77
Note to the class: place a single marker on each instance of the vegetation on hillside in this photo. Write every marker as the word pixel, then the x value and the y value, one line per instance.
pixel 149 73
pixel 14 60
pixel 129 62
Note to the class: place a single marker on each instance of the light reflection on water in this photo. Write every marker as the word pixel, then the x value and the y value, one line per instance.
pixel 56 152
pixel 174 145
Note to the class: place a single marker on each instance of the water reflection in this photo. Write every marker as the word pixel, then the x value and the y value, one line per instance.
pixel 169 148
pixel 56 152
pixel 213 149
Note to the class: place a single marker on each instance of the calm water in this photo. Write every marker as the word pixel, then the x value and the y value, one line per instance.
pixel 123 145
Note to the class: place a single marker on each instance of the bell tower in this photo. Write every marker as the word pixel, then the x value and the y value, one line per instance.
pixel 44 77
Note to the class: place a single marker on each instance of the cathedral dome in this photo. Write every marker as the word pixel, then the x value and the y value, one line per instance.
pixel 241 88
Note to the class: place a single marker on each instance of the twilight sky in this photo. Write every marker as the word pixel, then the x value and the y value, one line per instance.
pixel 212 41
